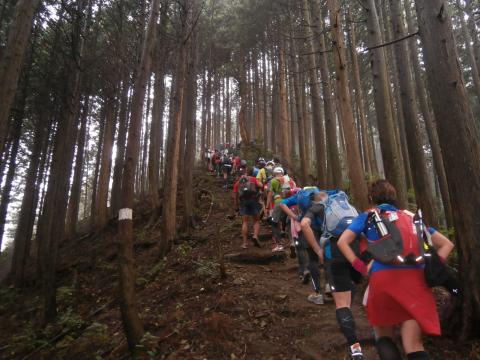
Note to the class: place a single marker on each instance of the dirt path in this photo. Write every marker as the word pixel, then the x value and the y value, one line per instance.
pixel 188 310
pixel 273 319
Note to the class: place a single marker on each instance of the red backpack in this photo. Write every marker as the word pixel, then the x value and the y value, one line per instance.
pixel 403 242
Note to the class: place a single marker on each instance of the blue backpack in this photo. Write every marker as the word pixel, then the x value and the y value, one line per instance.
pixel 339 214
pixel 305 197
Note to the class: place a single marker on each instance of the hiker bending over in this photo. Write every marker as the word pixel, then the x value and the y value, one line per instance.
pixel 308 260
pixel 398 294
pixel 334 212
pixel 246 193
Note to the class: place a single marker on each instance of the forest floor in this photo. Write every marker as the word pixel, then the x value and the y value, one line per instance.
pixel 256 311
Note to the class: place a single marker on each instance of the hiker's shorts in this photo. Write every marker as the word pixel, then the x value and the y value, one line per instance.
pixel 250 208
pixel 227 168
pixel 342 275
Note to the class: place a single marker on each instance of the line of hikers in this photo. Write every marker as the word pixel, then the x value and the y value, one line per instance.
pixel 336 247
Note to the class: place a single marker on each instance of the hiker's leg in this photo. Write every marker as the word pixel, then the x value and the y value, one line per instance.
pixel 314 270
pixel 256 226
pixel 245 230
pixel 302 256
pixel 386 347
pixel 345 320
pixel 412 338
pixel 276 218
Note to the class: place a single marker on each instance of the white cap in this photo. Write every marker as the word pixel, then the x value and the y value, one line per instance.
pixel 278 170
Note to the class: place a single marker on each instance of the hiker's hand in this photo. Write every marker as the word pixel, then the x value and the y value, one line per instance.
pixel 360 266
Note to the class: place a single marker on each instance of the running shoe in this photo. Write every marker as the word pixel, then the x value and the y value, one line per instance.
pixel 278 248
pixel 356 352
pixel 316 299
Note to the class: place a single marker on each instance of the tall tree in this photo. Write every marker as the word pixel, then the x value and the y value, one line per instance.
pixel 367 150
pixel 51 228
pixel 467 38
pixel 242 84
pixel 392 163
pixel 12 60
pixel 101 217
pixel 358 184
pixel 328 100
pixel 298 102
pixel 169 208
pixel 156 131
pixel 459 142
pixel 120 145
pixel 421 180
pixel 190 117
pixel 283 137
pixel 430 124
pixel 128 306
pixel 23 232
pixel 74 200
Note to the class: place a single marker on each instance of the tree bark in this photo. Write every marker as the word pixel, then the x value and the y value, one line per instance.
pixel 256 97
pixel 394 93
pixel 128 305
pixel 156 130
pixel 209 108
pixel 101 217
pixel 203 131
pixel 98 158
pixel 300 119
pixel 470 10
pixel 421 181
pixel 74 201
pixel 51 228
pixel 459 142
pixel 274 102
pixel 474 71
pixel 191 109
pixel 391 158
pixel 358 184
pixel 328 101
pixel 429 119
pixel 284 143
pixel 120 146
pixel 228 110
pixel 242 114
pixel 173 145
pixel 365 140
pixel 265 100
pixel 21 243
pixel 12 60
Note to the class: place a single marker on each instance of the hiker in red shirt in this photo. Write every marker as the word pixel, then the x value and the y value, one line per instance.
pixel 398 294
pixel 246 200
pixel 236 164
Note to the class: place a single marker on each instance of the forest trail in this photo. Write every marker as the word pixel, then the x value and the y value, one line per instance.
pixel 258 311
pixel 272 317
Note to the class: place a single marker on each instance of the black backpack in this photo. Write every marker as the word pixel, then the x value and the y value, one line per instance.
pixel 246 189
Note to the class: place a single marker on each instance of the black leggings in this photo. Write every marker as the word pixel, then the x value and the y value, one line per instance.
pixel 313 263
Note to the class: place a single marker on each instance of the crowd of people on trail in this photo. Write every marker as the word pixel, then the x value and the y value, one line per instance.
pixel 337 247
